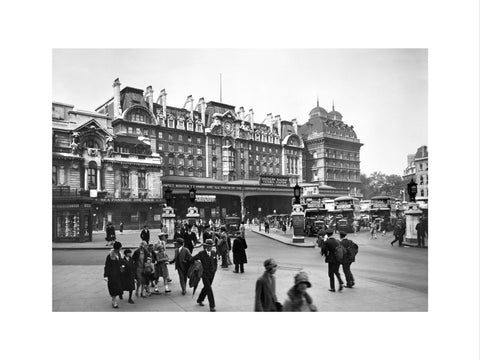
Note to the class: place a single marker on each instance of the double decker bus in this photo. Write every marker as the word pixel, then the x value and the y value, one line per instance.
pixel 315 219
pixel 350 211
pixel 383 207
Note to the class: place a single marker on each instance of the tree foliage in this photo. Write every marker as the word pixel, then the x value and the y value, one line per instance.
pixel 379 183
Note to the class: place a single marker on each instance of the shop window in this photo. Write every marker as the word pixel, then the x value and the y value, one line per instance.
pixel 54 175
pixel 68 225
pixel 125 179
pixel 141 180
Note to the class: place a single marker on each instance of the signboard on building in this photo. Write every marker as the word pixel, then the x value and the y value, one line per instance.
pixel 344 206
pixel 274 180
pixel 206 198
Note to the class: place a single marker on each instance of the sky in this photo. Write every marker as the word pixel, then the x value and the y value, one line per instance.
pixel 381 92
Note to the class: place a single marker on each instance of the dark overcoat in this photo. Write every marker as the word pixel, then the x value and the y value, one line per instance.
pixel 112 272
pixel 328 250
pixel 238 249
pixel 128 274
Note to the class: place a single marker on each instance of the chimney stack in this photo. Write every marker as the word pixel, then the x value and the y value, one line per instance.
pixel 117 109
pixel 276 123
pixel 295 126
pixel 162 101
pixel 149 97
pixel 203 107
pixel 250 112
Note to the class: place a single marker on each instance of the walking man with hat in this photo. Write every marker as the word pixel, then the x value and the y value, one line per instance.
pixel 208 258
pixel 181 260
pixel 348 258
pixel 328 250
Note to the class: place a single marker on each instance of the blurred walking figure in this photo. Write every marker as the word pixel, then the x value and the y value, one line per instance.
pixel 265 296
pixel 297 297
pixel 121 228
pixel 112 273
pixel 373 230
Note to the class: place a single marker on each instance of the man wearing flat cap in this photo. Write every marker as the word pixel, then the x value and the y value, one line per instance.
pixel 181 260
pixel 265 297
pixel 208 258
pixel 328 250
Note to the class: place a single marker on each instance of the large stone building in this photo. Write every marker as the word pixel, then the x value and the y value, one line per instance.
pixel 117 160
pixel 332 156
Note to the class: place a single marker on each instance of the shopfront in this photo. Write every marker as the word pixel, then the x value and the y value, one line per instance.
pixel 72 221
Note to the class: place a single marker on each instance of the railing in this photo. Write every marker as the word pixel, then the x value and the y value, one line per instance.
pixel 63 192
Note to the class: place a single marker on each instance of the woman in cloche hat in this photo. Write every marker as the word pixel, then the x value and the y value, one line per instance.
pixel 297 297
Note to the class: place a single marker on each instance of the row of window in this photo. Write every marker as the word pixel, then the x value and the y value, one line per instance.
pixel 181 124
pixel 182 162
pixel 179 137
pixel 181 149
pixel 125 179
pixel 342 155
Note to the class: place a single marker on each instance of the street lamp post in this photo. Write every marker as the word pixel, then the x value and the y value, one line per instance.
pixel 168 216
pixel 192 213
pixel 298 217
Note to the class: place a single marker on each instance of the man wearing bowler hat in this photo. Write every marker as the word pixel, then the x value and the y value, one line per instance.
pixel 328 249
pixel 181 260
pixel 208 258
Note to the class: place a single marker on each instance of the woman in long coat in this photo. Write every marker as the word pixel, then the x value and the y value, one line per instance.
pixel 239 254
pixel 112 273
pixel 128 274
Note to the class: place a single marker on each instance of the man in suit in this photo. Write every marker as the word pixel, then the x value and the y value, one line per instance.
pixel 348 258
pixel 265 297
pixel 328 250
pixel 208 258
pixel 181 260
pixel 145 234
pixel 190 239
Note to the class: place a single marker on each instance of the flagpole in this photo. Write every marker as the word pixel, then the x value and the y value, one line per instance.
pixel 220 87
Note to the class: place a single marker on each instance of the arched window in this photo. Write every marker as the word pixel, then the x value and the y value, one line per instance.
pixel 421 180
pixel 92 176
pixel 422 193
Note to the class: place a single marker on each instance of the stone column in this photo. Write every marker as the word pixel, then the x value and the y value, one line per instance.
pixel 98 180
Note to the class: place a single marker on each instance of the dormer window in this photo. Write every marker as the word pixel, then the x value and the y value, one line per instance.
pixel 189 126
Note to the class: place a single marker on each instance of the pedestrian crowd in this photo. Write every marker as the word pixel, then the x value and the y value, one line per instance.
pixel 145 270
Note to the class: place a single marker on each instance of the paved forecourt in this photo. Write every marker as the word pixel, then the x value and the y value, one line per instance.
pixel 82 288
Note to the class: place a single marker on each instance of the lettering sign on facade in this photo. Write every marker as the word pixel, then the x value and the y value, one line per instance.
pixel 344 206
pixel 379 205
pixel 314 204
pixel 206 198
pixel 274 180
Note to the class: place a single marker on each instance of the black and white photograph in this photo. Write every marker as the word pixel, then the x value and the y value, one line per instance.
pixel 232 153
pixel 215 160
